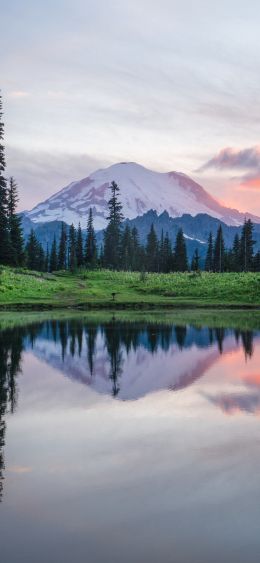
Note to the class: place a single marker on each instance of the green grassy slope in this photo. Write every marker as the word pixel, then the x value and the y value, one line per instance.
pixel 20 288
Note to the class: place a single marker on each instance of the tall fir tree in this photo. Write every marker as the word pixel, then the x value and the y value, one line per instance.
pixel 219 251
pixel 72 249
pixel 32 251
pixel 16 243
pixel 247 246
pixel 4 232
pixel 195 263
pixel 91 245
pixel 137 260
pixel 209 265
pixel 236 254
pixel 166 255
pixel 62 253
pixel 161 259
pixel 180 253
pixel 126 250
pixel 79 248
pixel 40 258
pixel 54 256
pixel 35 256
pixel 257 261
pixel 47 259
pixel 113 231
pixel 152 251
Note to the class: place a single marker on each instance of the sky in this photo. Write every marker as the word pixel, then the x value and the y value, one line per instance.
pixel 172 85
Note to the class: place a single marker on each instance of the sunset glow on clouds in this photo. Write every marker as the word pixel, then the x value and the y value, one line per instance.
pixel 168 85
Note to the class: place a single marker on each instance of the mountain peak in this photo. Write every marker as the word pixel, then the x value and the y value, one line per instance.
pixel 141 190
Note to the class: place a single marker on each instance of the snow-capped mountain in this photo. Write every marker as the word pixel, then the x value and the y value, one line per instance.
pixel 141 190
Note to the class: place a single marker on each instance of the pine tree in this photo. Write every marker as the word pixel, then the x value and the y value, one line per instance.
pixel 126 249
pixel 47 259
pixel 62 254
pixel 31 251
pixel 167 256
pixel 137 261
pixel 195 263
pixel 16 248
pixel 113 230
pixel 219 251
pixel 101 256
pixel 152 251
pixel 91 245
pixel 79 248
pixel 72 249
pixel 4 234
pixel 161 259
pixel 257 261
pixel 54 256
pixel 209 257
pixel 40 258
pixel 236 254
pixel 35 257
pixel 180 253
pixel 247 246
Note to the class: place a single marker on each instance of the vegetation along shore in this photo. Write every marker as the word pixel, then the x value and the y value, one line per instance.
pixel 23 289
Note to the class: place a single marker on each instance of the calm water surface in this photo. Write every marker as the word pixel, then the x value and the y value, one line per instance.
pixel 129 442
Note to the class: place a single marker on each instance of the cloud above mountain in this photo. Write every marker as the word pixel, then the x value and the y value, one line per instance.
pixel 246 161
pixel 230 158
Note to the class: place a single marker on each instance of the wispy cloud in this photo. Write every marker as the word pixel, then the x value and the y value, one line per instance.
pixel 234 159
pixel 245 161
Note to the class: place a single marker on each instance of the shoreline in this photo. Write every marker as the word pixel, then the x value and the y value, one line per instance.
pixel 129 306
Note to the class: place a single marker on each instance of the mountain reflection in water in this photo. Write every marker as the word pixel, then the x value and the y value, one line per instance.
pixel 126 360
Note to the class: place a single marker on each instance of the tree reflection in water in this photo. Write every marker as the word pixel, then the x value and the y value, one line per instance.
pixel 119 339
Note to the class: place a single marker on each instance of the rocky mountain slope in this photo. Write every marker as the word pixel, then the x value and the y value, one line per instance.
pixel 141 190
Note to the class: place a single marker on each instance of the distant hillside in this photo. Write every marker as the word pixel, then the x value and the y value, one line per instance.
pixel 196 229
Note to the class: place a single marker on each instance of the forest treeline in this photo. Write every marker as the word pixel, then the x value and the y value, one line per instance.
pixel 121 248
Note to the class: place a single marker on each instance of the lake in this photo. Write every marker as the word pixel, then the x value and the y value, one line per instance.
pixel 129 441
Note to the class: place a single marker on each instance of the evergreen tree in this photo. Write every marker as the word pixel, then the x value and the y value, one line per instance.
pixel 236 254
pixel 4 234
pixel 101 256
pixel 195 263
pixel 47 259
pixel 126 250
pixel 79 248
pixel 62 254
pixel 40 258
pixel 35 257
pixel 161 260
pixel 152 251
pixel 113 230
pixel 91 245
pixel 219 251
pixel 257 261
pixel 180 253
pixel 167 256
pixel 247 246
pixel 32 251
pixel 72 249
pixel 209 257
pixel 54 256
pixel 137 261
pixel 16 250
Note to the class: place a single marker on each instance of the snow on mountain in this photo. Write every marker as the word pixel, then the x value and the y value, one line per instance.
pixel 141 190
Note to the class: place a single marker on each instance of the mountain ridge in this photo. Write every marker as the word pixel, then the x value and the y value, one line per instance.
pixel 141 190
